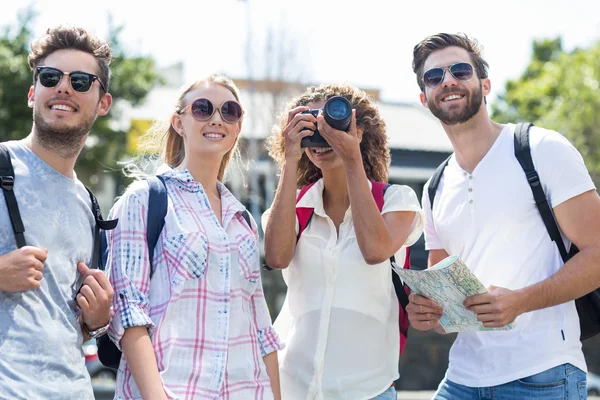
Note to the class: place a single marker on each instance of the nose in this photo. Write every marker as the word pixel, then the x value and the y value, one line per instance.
pixel 64 85
pixel 449 79
pixel 217 118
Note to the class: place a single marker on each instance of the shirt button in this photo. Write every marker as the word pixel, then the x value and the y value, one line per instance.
pixel 470 201
pixel 464 173
pixel 471 177
pixel 470 189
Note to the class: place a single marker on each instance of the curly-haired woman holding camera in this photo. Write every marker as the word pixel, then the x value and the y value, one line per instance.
pixel 340 316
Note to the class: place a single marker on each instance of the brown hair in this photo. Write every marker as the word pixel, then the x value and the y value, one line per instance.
pixel 173 151
pixel 373 147
pixel 441 41
pixel 63 38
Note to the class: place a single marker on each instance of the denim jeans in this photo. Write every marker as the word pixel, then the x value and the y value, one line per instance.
pixel 389 394
pixel 564 382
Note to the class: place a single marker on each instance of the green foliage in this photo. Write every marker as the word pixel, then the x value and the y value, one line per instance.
pixel 559 90
pixel 132 79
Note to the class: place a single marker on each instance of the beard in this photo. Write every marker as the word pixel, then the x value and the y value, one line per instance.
pixel 474 100
pixel 62 139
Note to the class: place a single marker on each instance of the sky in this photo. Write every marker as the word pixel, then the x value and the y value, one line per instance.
pixel 365 43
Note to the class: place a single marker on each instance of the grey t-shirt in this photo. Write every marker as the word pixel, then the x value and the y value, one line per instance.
pixel 40 339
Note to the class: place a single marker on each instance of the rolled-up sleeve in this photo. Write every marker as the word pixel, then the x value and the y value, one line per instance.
pixel 268 339
pixel 129 264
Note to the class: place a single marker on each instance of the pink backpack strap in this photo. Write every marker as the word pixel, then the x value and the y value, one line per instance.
pixel 378 190
pixel 304 214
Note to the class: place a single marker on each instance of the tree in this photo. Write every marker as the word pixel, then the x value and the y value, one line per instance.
pixel 132 78
pixel 559 90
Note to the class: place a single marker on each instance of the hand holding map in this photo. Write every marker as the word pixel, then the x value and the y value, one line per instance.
pixel 449 283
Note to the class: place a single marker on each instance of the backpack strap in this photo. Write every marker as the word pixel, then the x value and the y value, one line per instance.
pixel 523 155
pixel 378 191
pixel 304 214
pixel 435 180
pixel 7 181
pixel 247 218
pixel 158 201
pixel 99 237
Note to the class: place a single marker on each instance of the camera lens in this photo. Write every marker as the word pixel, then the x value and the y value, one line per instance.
pixel 338 113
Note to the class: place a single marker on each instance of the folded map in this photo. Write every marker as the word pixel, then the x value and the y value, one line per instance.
pixel 449 283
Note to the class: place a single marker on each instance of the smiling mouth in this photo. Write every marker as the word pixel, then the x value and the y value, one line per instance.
pixel 62 107
pixel 213 135
pixel 452 97
pixel 321 150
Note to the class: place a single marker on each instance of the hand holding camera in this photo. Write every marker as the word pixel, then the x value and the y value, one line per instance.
pixel 299 127
pixel 337 112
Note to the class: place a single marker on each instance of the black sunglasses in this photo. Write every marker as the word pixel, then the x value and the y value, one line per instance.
pixel 80 81
pixel 462 71
pixel 203 110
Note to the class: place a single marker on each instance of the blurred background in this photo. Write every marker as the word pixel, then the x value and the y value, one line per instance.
pixel 544 61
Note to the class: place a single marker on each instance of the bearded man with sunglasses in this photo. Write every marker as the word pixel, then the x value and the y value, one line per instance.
pixel 50 300
pixel 485 213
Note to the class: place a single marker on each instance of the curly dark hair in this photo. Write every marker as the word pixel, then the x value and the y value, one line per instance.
pixel 67 37
pixel 373 147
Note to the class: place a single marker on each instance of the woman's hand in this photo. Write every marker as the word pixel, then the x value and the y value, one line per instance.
pixel 299 126
pixel 345 144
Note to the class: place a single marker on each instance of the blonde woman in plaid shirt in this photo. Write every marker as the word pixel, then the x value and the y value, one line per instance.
pixel 200 327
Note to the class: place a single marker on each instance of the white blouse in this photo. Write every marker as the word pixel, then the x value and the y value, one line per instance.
pixel 340 315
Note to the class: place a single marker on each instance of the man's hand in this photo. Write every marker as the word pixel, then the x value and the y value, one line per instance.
pixel 497 308
pixel 21 269
pixel 423 313
pixel 94 297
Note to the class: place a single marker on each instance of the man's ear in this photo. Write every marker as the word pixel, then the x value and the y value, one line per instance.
pixel 423 99
pixel 31 97
pixel 104 104
pixel 486 87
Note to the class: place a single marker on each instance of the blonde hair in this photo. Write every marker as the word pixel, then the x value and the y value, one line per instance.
pixel 164 136
pixel 373 147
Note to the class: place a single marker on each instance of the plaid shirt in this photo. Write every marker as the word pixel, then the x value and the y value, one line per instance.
pixel 204 306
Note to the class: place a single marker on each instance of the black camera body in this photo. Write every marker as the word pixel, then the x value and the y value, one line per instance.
pixel 337 111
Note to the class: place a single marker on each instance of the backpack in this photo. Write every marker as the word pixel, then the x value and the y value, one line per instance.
pixel 588 306
pixel 304 215
pixel 108 353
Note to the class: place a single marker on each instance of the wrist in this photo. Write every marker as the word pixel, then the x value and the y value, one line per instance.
pixel 524 300
pixel 290 163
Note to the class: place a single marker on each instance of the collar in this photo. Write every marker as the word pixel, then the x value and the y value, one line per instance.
pixel 183 179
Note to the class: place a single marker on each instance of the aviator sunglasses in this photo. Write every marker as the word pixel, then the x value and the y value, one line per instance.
pixel 203 110
pixel 462 71
pixel 80 81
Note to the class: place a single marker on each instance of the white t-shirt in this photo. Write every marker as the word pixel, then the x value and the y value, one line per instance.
pixel 340 316
pixel 489 219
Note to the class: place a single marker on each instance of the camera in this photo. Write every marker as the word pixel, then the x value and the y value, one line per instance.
pixel 337 111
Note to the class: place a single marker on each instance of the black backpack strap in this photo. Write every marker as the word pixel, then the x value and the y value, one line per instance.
pixel 158 201
pixel 398 285
pixel 98 236
pixel 523 155
pixel 7 181
pixel 247 218
pixel 435 180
